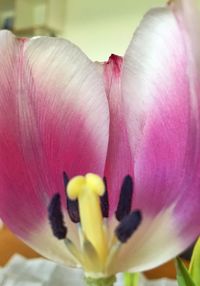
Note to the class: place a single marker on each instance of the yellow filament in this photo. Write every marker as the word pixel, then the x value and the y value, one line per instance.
pixel 87 190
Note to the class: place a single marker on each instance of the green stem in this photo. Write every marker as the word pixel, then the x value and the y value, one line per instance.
pixel 107 281
pixel 131 279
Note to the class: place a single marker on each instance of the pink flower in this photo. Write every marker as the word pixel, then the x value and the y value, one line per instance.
pixel 133 120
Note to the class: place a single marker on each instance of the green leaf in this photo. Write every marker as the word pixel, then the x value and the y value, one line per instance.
pixel 194 268
pixel 131 279
pixel 182 274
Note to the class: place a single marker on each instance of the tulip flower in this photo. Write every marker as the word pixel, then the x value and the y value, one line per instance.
pixel 99 163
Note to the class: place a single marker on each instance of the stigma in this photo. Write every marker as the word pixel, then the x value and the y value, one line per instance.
pixel 87 203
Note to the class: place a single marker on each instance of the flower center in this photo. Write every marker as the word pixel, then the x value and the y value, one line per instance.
pixel 88 208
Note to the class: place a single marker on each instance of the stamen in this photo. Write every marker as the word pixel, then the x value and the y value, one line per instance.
pixel 128 226
pixel 125 199
pixel 73 250
pixel 104 201
pixel 90 256
pixel 56 217
pixel 113 252
pixel 72 206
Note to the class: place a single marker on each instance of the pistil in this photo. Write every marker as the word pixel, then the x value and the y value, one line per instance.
pixel 87 190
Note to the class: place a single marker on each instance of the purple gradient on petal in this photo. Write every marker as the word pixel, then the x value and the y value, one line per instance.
pixel 42 134
pixel 161 94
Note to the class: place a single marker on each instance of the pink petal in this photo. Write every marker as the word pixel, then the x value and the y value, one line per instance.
pixel 53 118
pixel 187 14
pixel 119 161
pixel 155 242
pixel 42 241
pixel 161 103
pixel 188 18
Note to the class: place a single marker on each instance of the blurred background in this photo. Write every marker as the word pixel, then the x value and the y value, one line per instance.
pixel 98 27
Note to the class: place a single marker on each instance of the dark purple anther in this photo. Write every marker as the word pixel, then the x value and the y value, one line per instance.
pixel 104 201
pixel 125 199
pixel 56 217
pixel 72 205
pixel 128 226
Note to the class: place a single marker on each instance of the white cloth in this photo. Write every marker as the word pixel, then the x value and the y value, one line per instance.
pixel 40 272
